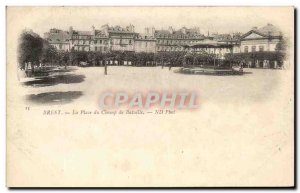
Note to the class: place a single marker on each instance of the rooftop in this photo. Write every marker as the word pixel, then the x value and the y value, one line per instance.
pixel 57 36
pixel 269 29
pixel 181 33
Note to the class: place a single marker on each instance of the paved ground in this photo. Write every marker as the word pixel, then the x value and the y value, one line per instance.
pixel 86 84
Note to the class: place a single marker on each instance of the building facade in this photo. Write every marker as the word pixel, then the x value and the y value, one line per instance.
pixel 100 41
pixel 125 39
pixel 80 40
pixel 176 40
pixel 58 38
pixel 261 40
pixel 146 42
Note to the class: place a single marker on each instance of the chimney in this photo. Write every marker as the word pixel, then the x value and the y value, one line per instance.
pixel 152 31
pixel 171 30
pixel 254 28
pixel 93 31
pixel 104 28
pixel 71 30
pixel 183 30
pixel 131 28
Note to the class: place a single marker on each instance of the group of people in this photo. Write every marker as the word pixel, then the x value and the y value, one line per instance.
pixel 29 68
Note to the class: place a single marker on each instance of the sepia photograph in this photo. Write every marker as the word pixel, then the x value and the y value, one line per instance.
pixel 152 96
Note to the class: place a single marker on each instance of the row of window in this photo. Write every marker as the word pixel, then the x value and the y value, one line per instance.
pixel 89 42
pixel 165 48
pixel 178 36
pixel 101 49
pixel 145 44
pixel 210 50
pixel 100 41
pixel 61 46
pixel 82 48
pixel 126 41
pixel 253 48
pixel 81 37
pixel 176 41
pixel 122 41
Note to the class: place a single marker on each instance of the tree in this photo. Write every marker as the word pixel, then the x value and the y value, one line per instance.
pixel 63 58
pixel 99 57
pixel 130 56
pixel 49 53
pixel 281 50
pixel 91 58
pixel 119 57
pixel 30 48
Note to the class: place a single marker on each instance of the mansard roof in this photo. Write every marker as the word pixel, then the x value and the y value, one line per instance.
pixel 144 37
pixel 99 33
pixel 57 36
pixel 226 37
pixel 83 33
pixel 188 34
pixel 119 29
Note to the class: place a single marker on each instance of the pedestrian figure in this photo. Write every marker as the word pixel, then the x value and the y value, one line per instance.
pixel 30 69
pixel 105 68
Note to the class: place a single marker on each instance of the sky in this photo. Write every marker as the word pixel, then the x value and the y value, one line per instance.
pixel 212 19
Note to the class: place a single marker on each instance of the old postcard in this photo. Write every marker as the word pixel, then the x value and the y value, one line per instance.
pixel 150 96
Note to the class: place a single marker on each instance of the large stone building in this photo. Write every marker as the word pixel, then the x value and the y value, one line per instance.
pixel 106 39
pixel 116 38
pixel 100 41
pixel 59 39
pixel 146 42
pixel 120 39
pixel 176 40
pixel 259 40
pixel 80 40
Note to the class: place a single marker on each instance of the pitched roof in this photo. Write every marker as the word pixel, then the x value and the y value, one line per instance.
pixel 58 36
pixel 266 31
pixel 227 37
pixel 141 37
